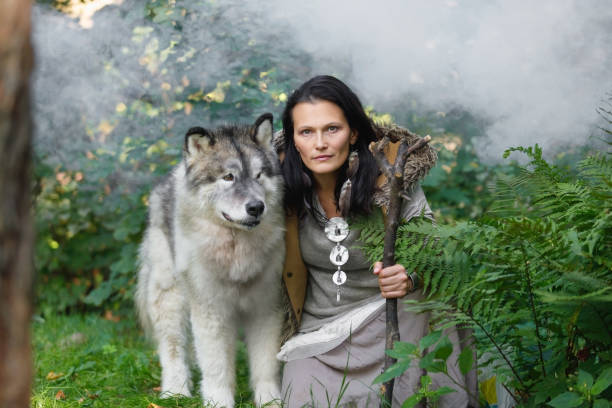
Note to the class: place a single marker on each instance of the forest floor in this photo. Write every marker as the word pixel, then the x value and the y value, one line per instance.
pixel 92 361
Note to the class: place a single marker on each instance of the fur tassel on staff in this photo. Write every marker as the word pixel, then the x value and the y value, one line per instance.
pixel 396 187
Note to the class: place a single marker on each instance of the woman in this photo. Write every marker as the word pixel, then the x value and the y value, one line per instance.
pixel 338 302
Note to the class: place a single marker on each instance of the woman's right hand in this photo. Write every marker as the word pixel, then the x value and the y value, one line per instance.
pixel 392 280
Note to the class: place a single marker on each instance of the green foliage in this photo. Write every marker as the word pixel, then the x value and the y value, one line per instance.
pixel 89 223
pixel 432 352
pixel 533 277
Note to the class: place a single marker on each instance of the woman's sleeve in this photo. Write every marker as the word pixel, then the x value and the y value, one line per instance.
pixel 415 204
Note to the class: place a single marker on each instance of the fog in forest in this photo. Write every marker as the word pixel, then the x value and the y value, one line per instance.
pixel 532 71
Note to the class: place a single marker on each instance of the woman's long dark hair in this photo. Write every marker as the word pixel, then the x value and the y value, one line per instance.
pixel 298 178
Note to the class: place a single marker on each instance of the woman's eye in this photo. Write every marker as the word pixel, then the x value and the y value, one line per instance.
pixel 228 177
pixel 333 129
pixel 305 132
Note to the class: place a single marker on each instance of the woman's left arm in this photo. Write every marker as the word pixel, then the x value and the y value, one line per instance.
pixel 393 280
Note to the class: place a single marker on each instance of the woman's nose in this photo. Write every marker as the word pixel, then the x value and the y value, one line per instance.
pixel 320 142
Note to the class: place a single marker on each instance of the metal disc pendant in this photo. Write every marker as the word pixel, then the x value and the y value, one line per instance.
pixel 339 277
pixel 339 255
pixel 336 229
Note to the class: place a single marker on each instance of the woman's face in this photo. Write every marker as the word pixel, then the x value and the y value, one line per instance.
pixel 322 136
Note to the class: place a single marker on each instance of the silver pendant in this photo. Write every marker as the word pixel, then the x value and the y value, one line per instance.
pixel 336 229
pixel 339 255
pixel 339 277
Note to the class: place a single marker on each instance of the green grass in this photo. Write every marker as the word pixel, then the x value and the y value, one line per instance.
pixel 101 363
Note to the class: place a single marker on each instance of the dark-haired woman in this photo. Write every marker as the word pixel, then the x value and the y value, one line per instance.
pixel 337 299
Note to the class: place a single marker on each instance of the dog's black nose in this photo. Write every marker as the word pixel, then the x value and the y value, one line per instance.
pixel 255 208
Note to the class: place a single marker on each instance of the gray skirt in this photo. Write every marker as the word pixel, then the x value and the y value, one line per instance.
pixel 343 376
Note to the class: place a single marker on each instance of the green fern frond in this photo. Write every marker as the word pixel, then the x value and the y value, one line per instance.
pixel 533 276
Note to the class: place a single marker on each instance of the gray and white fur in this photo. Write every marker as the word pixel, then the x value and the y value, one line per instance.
pixel 211 262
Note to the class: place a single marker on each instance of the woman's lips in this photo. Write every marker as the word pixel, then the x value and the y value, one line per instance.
pixel 322 157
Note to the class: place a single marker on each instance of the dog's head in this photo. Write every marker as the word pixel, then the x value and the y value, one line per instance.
pixel 234 172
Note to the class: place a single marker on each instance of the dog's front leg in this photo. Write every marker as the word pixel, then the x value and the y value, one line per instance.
pixel 170 317
pixel 262 333
pixel 214 337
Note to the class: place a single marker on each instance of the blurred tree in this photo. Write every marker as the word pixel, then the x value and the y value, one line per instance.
pixel 16 233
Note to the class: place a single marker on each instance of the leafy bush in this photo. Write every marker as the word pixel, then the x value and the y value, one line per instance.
pixel 89 223
pixel 533 277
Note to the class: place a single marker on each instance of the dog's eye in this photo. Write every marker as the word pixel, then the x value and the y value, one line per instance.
pixel 258 176
pixel 228 177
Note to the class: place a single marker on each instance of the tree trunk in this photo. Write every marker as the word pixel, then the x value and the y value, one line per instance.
pixel 16 232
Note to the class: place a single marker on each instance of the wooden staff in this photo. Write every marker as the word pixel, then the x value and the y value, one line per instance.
pixel 395 175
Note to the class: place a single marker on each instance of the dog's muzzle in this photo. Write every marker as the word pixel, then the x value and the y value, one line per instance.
pixel 254 209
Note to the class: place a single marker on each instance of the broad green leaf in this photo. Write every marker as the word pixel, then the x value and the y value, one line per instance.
pixel 443 349
pixel 430 339
pixel 404 348
pixel 466 360
pixel 566 400
pixel 430 364
pixel 603 382
pixel 403 351
pixel 395 354
pixel 395 370
pixel 599 403
pixel 584 381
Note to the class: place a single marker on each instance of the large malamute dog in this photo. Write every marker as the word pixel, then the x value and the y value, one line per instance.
pixel 211 261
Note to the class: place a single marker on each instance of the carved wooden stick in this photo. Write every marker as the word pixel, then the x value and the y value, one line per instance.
pixel 395 175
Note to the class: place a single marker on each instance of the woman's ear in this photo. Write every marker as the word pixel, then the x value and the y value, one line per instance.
pixel 353 138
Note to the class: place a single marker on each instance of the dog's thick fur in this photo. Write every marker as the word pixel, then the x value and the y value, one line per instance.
pixel 211 262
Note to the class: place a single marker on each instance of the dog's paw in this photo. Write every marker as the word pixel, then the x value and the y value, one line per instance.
pixel 275 403
pixel 267 394
pixel 218 398
pixel 179 387
pixel 175 393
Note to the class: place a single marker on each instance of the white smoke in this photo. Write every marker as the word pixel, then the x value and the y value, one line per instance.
pixel 536 71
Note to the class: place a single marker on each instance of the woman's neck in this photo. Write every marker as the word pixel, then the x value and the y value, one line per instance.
pixel 325 187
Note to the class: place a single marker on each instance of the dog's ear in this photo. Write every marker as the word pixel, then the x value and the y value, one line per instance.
pixel 198 140
pixel 262 130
